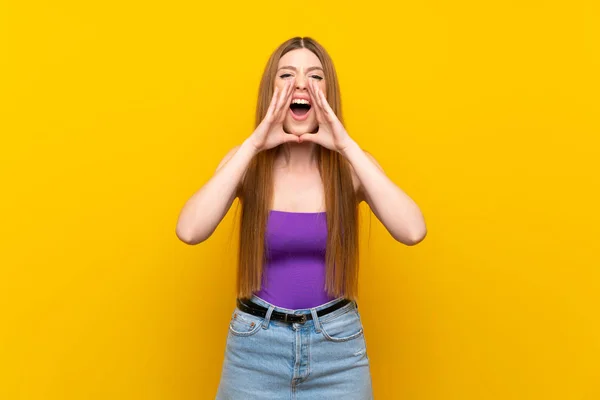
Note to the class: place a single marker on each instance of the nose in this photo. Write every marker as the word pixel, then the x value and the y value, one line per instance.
pixel 300 82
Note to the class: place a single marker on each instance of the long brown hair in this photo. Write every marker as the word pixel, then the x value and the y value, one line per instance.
pixel 340 200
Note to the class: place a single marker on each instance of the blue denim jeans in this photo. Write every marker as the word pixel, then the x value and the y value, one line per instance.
pixel 324 358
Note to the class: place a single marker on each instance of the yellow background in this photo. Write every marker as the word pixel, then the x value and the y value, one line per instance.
pixel 486 113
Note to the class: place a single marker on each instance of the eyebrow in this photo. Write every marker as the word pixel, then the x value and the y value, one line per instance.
pixel 294 68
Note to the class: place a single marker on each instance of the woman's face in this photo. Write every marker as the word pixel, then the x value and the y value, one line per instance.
pixel 300 65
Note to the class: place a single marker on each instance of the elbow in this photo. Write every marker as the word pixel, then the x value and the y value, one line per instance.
pixel 417 233
pixel 418 238
pixel 188 237
pixel 412 238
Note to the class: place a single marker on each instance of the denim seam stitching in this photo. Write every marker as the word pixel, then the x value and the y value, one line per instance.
pixel 249 333
pixel 343 339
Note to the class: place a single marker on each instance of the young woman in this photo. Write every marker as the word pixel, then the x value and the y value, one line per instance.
pixel 296 331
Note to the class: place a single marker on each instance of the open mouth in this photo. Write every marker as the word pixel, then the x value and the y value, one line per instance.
pixel 299 109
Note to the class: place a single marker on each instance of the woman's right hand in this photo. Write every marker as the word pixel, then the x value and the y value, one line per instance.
pixel 269 133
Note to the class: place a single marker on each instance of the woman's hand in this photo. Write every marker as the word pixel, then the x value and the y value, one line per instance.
pixel 331 133
pixel 269 133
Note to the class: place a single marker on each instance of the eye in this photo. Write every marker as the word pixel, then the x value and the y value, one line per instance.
pixel 283 76
pixel 317 77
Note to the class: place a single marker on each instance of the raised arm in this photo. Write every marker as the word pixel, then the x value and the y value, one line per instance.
pixel 400 215
pixel 203 212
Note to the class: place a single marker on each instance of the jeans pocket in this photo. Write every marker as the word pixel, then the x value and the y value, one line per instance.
pixel 342 327
pixel 244 324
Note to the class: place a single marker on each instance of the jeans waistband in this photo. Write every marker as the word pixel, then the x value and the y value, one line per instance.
pixel 264 303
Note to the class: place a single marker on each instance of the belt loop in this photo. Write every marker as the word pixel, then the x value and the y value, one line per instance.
pixel 316 321
pixel 265 323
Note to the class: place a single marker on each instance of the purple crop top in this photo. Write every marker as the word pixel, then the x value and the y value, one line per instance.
pixel 294 272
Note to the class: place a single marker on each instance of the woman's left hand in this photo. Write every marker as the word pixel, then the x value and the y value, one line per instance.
pixel 331 133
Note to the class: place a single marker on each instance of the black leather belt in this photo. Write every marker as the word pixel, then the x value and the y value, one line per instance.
pixel 260 311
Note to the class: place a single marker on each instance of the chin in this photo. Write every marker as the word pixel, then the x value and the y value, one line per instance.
pixel 300 127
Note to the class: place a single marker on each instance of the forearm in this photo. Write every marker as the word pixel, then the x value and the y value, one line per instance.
pixel 395 209
pixel 203 212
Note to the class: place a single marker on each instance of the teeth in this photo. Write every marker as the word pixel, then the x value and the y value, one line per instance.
pixel 300 101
